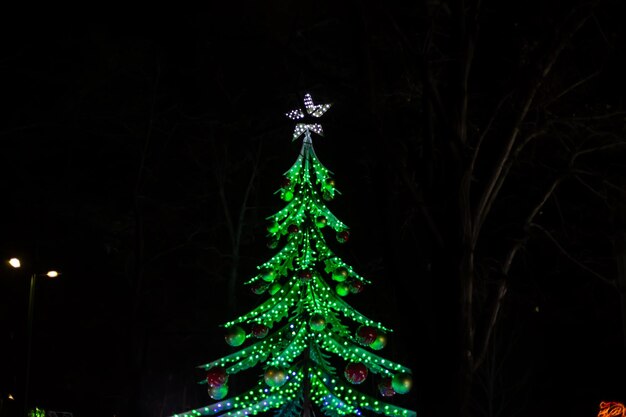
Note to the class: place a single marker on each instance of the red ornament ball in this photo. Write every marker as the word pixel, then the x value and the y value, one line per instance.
pixel 218 393
pixel 216 376
pixel 402 382
pixel 259 287
pixel 285 182
pixel 293 228
pixel 235 336
pixel 355 286
pixel 366 335
pixel 305 275
pixel 260 331
pixel 343 236
pixel 275 376
pixel 355 372
pixel 385 388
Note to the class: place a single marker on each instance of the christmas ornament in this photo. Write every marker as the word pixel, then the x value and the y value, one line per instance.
pixel 355 286
pixel 340 274
pixel 287 195
pixel 273 227
pixel 305 275
pixel 355 372
pixel 272 243
pixel 342 289
pixel 235 335
pixel 366 335
pixel 274 376
pixel 380 342
pixel 268 275
pixel 216 376
pixel 402 382
pixel 321 221
pixel 259 287
pixel 385 388
pixel 329 184
pixel 317 322
pixel 260 331
pixel 293 228
pixel 285 182
pixel 218 393
pixel 343 236
pixel 274 288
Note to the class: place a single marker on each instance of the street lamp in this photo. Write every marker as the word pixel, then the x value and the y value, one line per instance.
pixel 15 263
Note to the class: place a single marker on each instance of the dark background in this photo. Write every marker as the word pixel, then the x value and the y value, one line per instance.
pixel 127 135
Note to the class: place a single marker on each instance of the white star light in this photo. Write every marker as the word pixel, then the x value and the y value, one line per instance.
pixel 315 110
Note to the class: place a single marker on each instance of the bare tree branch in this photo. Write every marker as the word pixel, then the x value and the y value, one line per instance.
pixel 571 258
pixel 573 87
pixel 506 267
pixel 491 190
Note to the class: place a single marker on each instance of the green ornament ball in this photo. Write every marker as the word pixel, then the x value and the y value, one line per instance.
pixel 273 227
pixel 274 288
pixel 402 382
pixel 317 322
pixel 268 275
pixel 235 336
pixel 275 376
pixel 321 221
pixel 380 341
pixel 287 195
pixel 342 289
pixel 219 392
pixel 340 274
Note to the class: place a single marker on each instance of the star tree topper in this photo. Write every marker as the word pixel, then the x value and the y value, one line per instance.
pixel 315 110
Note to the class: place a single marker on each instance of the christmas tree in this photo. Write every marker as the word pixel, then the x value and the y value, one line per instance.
pixel 304 330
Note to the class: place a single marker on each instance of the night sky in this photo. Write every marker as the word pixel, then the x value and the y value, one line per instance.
pixel 130 138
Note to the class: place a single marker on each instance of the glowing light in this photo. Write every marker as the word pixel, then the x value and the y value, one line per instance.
pixel 612 409
pixel 314 110
pixel 15 263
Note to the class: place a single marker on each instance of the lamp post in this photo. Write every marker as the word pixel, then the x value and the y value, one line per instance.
pixel 15 263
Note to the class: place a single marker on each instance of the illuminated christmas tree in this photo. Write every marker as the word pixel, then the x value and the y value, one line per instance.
pixel 304 331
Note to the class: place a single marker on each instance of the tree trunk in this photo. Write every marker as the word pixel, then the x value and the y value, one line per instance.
pixel 620 255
